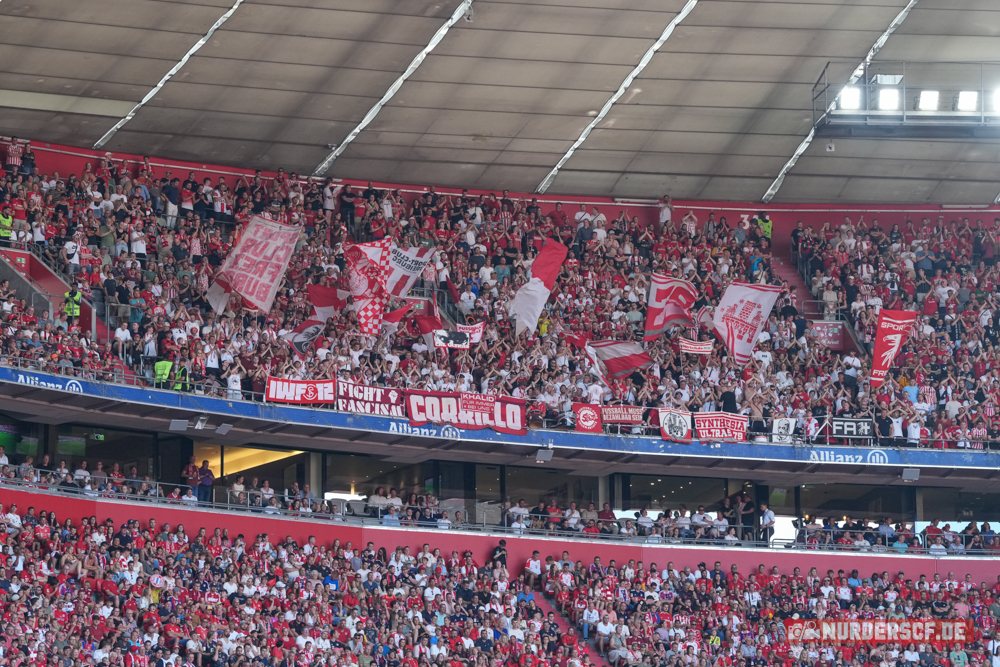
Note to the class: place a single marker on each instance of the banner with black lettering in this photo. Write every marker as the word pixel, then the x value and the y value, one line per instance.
pixel 381 401
pixel 442 407
pixel 845 427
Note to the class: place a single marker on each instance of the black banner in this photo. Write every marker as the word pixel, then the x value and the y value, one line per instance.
pixel 844 427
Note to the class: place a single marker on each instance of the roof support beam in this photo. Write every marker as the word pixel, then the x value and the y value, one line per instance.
pixel 463 9
pixel 858 73
pixel 626 84
pixel 169 75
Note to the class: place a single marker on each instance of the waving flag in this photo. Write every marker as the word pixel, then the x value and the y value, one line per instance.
pixel 391 320
pixel 893 329
pixel 366 265
pixel 620 358
pixel 428 324
pixel 327 301
pixel 405 266
pixel 741 316
pixel 304 336
pixel 529 301
pixel 670 301
pixel 475 331
pixel 693 347
pixel 255 266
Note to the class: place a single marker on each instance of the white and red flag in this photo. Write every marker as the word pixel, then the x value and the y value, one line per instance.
pixel 620 358
pixel 405 266
pixel 391 320
pixel 670 301
pixel 366 275
pixel 695 347
pixel 894 328
pixel 327 301
pixel 528 303
pixel 475 331
pixel 255 266
pixel 741 316
pixel 428 324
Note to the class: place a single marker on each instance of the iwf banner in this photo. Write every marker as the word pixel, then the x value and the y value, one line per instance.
pixel 503 414
pixel 300 391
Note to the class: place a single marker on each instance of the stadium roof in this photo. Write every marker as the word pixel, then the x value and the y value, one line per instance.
pixel 716 114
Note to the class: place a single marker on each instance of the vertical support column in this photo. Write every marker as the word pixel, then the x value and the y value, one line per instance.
pixel 315 473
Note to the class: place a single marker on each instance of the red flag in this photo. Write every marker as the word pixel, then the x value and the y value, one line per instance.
pixel 588 417
pixel 670 302
pixel 620 358
pixel 452 290
pixel 528 303
pixel 391 320
pixel 893 329
pixel 327 301
pixel 427 325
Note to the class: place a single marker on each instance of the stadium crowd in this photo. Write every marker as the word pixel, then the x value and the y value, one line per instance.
pixel 75 591
pixel 142 245
pixel 734 521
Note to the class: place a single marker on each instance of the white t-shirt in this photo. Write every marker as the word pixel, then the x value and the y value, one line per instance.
pixel 138 242
pixel 123 335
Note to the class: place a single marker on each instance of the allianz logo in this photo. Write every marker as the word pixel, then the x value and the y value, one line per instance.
pixel 35 381
pixel 871 457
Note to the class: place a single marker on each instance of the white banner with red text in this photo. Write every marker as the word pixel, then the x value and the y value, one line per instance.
pixel 381 401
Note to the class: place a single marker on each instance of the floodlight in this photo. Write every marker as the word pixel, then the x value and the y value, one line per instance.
pixel 850 98
pixel 888 99
pixel 928 100
pixel 967 100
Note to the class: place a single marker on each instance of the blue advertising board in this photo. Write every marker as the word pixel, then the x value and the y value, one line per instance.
pixel 320 418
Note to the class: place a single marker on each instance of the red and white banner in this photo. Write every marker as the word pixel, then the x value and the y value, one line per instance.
pixel 441 407
pixel 405 266
pixel 695 347
pixel 894 328
pixel 300 391
pixel 475 331
pixel 366 267
pixel 704 317
pixel 304 336
pixel 675 425
pixel 255 266
pixel 621 358
pixel 327 301
pixel 720 426
pixel 622 414
pixel 741 316
pixel 381 401
pixel 670 301
pixel 528 303
pixel 588 417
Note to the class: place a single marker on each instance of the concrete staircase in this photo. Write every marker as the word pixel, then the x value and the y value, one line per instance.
pixel 585 647
pixel 786 270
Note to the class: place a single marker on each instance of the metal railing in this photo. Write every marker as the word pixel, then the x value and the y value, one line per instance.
pixel 145 378
pixel 359 512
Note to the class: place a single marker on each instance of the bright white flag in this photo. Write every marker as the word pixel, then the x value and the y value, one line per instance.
pixel 405 266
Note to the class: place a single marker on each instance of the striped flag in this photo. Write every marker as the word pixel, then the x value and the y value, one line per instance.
pixel 693 347
pixel 528 303
pixel 620 358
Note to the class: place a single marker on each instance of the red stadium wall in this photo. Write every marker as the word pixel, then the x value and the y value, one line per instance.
pixel 70 160
pixel 518 547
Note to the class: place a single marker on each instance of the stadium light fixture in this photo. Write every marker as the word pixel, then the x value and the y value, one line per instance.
pixel 850 98
pixel 967 100
pixel 888 99
pixel 928 100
